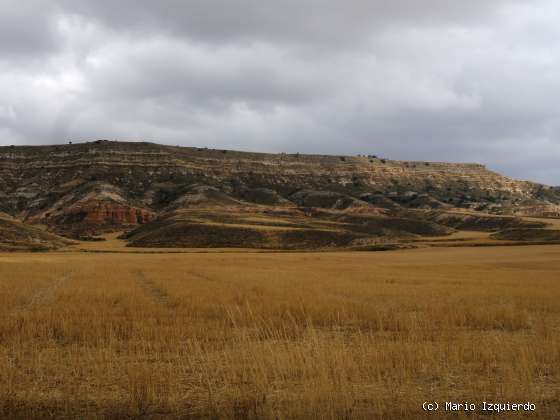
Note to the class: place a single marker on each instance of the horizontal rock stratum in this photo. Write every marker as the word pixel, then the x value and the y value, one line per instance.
pixel 93 187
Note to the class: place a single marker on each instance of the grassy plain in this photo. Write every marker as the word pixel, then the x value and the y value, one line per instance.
pixel 278 335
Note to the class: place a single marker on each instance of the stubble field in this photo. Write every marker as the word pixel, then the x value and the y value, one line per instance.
pixel 286 335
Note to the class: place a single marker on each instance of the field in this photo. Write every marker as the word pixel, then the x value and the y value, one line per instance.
pixel 279 335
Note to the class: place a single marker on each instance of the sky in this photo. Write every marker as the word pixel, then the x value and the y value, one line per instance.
pixel 440 80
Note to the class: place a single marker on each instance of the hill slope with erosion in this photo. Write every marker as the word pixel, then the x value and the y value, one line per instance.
pixel 200 197
pixel 17 236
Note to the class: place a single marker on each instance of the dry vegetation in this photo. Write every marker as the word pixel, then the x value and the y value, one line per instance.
pixel 248 335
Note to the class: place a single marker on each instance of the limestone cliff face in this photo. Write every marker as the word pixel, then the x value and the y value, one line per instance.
pixel 134 181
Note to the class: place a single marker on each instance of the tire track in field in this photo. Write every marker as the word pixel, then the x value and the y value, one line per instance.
pixel 43 296
pixel 153 290
pixel 201 276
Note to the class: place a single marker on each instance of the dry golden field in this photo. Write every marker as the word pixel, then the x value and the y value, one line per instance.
pixel 279 335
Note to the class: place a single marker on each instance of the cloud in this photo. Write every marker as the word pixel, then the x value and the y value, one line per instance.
pixel 26 28
pixel 291 21
pixel 434 80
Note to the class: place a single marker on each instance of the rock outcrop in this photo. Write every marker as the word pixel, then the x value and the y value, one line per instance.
pixel 90 208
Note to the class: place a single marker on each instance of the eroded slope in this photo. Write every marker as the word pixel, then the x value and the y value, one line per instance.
pixel 202 197
pixel 17 236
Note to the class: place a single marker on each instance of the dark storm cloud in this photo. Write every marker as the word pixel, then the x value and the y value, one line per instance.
pixel 434 80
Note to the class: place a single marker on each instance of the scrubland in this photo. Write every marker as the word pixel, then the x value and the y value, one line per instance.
pixel 278 335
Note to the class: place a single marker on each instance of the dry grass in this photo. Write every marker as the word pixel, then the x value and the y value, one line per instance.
pixel 247 335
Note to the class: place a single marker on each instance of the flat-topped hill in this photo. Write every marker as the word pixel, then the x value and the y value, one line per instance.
pixel 88 188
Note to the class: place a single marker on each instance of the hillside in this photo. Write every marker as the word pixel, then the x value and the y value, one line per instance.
pixel 17 236
pixel 204 197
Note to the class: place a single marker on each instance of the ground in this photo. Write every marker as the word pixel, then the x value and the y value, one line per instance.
pixel 126 333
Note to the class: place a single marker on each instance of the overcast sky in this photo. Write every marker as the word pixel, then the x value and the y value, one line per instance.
pixel 441 80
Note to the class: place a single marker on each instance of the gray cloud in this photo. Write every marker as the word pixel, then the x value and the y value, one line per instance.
pixel 293 21
pixel 26 28
pixel 434 80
